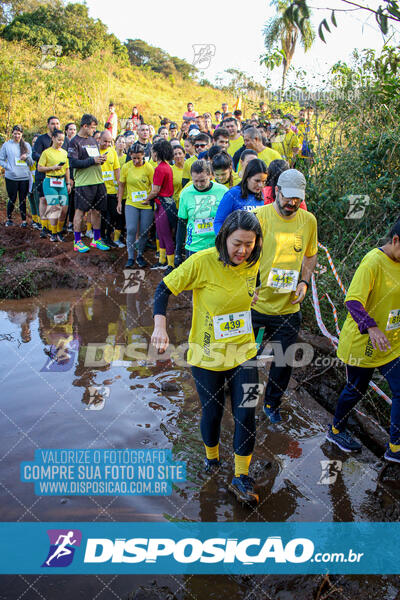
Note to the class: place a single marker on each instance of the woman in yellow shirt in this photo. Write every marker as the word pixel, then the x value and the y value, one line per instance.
pixel 370 339
pixel 222 167
pixel 56 185
pixel 221 339
pixel 136 179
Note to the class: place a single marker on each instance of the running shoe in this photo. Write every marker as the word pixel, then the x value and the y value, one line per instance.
pixel 141 262
pixel 343 440
pixel 43 232
pixel 60 237
pixel 99 244
pixel 35 225
pixel 110 243
pixel 119 244
pixel 129 263
pixel 80 247
pixel 89 233
pixel 273 414
pixel 24 224
pixel 9 223
pixel 211 464
pixel 243 488
pixel 53 237
pixel 392 456
pixel 159 265
pixel 70 228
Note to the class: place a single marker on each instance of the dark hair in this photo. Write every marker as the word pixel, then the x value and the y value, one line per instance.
pixel 23 148
pixel 163 149
pixel 175 146
pixel 202 137
pixel 220 132
pixel 162 127
pixel 248 152
pixel 222 160
pixel 237 113
pixel 97 131
pixel 213 151
pixel 111 104
pixel 395 230
pixel 136 148
pixel 275 168
pixel 254 167
pixel 239 219
pixel 50 118
pixel 57 132
pixel 107 125
pixel 200 166
pixel 67 125
pixel 229 119
pixel 88 119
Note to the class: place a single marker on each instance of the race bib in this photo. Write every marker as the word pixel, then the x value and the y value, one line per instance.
pixel 139 196
pixel 108 175
pixel 56 182
pixel 393 319
pixel 226 326
pixel 204 225
pixel 20 163
pixel 283 280
pixel 92 151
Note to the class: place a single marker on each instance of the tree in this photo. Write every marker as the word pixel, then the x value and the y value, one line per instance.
pixel 298 13
pixel 142 54
pixel 280 30
pixel 9 9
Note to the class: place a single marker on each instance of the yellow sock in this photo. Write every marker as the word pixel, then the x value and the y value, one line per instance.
pixel 45 223
pixel 163 256
pixel 35 218
pixel 60 226
pixel 117 235
pixel 395 447
pixel 88 226
pixel 212 452
pixel 158 245
pixel 170 259
pixel 53 228
pixel 242 464
pixel 334 430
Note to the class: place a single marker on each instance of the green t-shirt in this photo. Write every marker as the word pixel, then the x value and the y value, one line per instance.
pixel 81 148
pixel 200 208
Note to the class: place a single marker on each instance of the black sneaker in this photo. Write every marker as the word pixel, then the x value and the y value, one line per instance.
pixel 168 270
pixel 211 465
pixel 9 223
pixel 43 232
pixel 110 243
pixel 60 237
pixel 35 225
pixel 53 237
pixel 24 224
pixel 159 265
pixel 141 262
pixel 129 263
pixel 343 440
pixel 243 488
pixel 70 228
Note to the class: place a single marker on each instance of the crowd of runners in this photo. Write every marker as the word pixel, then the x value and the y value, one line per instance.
pixel 220 202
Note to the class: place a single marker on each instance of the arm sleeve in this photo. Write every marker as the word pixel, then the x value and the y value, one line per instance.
pixel 161 298
pixel 73 157
pixel 184 181
pixel 37 150
pixel 360 315
pixel 158 177
pixel 180 239
pixel 224 209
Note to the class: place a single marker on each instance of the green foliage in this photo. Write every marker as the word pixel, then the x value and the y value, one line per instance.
pixel 142 54
pixel 67 26
pixel 11 8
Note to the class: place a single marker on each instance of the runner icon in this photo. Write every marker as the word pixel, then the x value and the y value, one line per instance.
pixel 62 550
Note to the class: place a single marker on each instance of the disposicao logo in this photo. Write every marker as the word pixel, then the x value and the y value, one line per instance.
pixel 62 547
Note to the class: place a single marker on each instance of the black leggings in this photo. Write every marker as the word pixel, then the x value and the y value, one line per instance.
pixel 111 219
pixel 16 188
pixel 245 392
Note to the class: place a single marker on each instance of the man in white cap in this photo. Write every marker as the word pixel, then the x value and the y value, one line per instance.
pixel 288 260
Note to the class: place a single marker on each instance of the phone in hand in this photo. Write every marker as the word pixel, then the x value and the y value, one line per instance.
pixel 61 164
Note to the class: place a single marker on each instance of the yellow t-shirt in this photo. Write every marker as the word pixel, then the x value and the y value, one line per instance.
pixel 268 155
pixel 235 180
pixel 224 293
pixel 186 167
pixel 108 168
pixel 138 181
pixel 177 180
pixel 51 157
pixel 286 242
pixel 234 145
pixel 153 163
pixel 376 284
pixel 289 141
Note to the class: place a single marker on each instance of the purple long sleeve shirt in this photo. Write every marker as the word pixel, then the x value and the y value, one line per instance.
pixel 360 315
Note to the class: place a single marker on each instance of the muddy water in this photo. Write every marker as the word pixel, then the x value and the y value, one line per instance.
pixel 67 381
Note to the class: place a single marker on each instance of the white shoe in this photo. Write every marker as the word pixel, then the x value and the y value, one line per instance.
pixel 119 244
pixel 89 233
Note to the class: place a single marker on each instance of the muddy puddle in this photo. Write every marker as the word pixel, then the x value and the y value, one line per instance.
pixel 70 379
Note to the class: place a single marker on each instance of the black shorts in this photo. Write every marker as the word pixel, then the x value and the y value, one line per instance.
pixel 39 188
pixel 91 197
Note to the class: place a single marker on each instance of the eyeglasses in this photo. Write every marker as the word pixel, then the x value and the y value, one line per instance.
pixel 200 145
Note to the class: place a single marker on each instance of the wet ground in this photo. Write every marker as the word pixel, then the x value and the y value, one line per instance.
pixel 69 380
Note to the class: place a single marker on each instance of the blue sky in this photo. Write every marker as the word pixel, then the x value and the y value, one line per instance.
pixel 234 30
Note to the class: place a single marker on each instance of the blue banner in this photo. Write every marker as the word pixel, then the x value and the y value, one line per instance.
pixel 194 548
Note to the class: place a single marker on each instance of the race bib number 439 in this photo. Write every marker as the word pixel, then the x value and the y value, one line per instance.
pixel 283 280
pixel 233 324
pixel 393 319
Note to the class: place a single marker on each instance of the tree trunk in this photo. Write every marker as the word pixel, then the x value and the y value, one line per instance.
pixel 286 65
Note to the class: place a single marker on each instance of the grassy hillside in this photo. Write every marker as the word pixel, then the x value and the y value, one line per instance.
pixel 29 93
